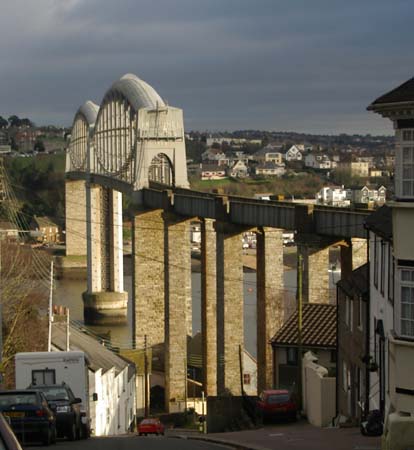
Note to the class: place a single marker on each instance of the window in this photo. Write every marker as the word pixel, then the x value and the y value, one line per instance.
pixel 246 378
pixel 292 356
pixel 407 178
pixel 382 267
pixel 349 313
pixel 407 135
pixel 407 302
pixel 375 261
pixel 360 313
pixel 333 356
pixel 391 274
pixel 47 376
pixel 344 376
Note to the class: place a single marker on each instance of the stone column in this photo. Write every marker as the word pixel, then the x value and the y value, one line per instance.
pixel 230 329
pixel 270 300
pixel 315 282
pixel 75 218
pixel 105 301
pixel 209 306
pixel 148 277
pixel 177 298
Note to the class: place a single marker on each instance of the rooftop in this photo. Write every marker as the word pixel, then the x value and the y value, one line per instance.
pixel 380 222
pixel 402 93
pixel 318 327
pixel 357 283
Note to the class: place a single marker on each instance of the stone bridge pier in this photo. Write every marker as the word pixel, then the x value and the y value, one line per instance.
pixel 105 300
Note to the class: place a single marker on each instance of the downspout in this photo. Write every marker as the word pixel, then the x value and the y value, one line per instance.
pixel 337 353
pixel 367 327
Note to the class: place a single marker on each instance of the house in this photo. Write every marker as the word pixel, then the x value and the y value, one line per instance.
pixel 318 336
pixel 356 168
pixel 319 161
pixel 238 169
pixel 295 153
pixel 8 231
pixel 50 231
pixel 111 377
pixel 270 169
pixel 381 304
pixel 333 196
pixel 367 194
pixel 213 172
pixel 392 270
pixel 269 154
pixel 212 155
pixel 352 386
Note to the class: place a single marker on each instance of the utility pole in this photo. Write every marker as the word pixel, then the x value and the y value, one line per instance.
pixel 300 308
pixel 67 330
pixel 49 341
pixel 146 399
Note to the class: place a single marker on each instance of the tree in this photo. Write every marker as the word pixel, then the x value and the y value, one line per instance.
pixel 39 146
pixel 3 122
pixel 14 121
pixel 23 300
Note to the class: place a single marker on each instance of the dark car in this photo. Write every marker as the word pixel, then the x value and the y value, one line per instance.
pixel 8 439
pixel 66 407
pixel 29 415
pixel 277 403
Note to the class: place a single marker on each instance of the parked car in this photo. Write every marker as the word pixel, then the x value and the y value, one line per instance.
pixel 7 437
pixel 29 414
pixel 66 407
pixel 279 403
pixel 150 426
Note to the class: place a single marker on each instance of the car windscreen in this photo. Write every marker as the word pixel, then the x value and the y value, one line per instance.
pixel 7 400
pixel 276 399
pixel 55 393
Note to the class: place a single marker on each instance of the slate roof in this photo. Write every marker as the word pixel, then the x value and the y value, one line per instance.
pixel 356 283
pixel 99 357
pixel 380 222
pixel 402 93
pixel 318 327
pixel 212 168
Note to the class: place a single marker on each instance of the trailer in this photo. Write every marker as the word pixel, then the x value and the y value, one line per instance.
pixel 46 368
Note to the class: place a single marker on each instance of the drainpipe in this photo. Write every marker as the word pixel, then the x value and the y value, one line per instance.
pixel 367 328
pixel 337 353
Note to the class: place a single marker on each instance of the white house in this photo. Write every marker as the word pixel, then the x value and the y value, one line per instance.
pixel 269 154
pixel 367 194
pixel 395 343
pixel 270 169
pixel 111 377
pixel 381 304
pixel 295 153
pixel 212 172
pixel 333 196
pixel 319 161
pixel 238 169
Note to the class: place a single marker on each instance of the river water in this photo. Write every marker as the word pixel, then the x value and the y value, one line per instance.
pixel 68 292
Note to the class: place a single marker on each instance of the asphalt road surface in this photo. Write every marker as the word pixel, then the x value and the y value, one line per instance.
pixel 130 443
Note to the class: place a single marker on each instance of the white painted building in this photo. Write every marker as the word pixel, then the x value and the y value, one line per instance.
pixel 111 377
pixel 319 161
pixel 333 196
pixel 398 328
pixel 295 153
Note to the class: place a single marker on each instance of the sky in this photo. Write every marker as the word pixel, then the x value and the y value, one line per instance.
pixel 285 65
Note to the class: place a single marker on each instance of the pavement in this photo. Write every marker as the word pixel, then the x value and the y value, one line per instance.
pixel 288 436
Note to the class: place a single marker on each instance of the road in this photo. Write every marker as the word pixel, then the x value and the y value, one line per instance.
pixel 131 443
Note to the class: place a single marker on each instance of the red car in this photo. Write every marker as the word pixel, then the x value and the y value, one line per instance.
pixel 277 403
pixel 150 426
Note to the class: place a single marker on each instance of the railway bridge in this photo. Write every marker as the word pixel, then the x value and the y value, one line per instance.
pixel 133 145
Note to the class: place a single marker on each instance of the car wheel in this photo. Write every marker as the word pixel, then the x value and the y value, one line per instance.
pixel 72 432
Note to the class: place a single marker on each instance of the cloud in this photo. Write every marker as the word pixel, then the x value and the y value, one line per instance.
pixel 268 64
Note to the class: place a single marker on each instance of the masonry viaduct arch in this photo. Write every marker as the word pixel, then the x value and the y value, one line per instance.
pixel 130 144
